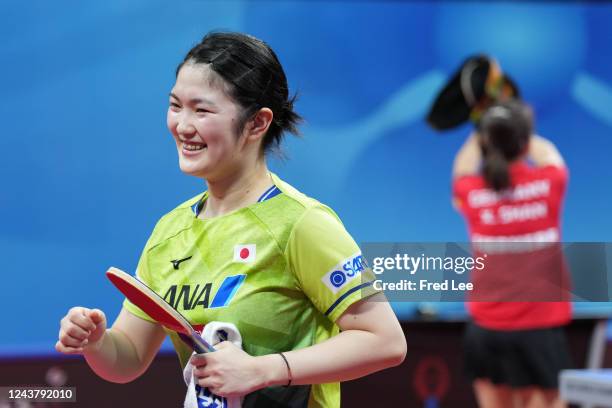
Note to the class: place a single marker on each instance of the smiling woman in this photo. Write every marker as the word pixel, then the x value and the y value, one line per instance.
pixel 202 119
pixel 304 321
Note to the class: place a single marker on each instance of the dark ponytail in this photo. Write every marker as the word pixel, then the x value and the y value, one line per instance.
pixel 495 170
pixel 504 130
pixel 289 119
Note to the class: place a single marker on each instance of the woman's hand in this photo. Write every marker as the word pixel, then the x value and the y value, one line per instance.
pixel 229 371
pixel 80 327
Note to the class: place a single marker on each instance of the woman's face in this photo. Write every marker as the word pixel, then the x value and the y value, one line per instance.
pixel 202 119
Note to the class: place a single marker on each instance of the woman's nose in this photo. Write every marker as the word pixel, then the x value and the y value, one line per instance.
pixel 185 128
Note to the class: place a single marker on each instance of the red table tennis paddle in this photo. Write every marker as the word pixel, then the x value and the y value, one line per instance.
pixel 157 308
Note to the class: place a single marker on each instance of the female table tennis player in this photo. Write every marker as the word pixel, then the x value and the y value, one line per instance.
pixel 509 186
pixel 515 346
pixel 251 250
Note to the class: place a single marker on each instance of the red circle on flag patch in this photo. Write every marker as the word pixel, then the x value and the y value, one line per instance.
pixel 244 253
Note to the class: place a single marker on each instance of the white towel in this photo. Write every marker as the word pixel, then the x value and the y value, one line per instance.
pixel 198 397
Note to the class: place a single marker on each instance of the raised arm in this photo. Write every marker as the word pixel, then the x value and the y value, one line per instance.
pixel 467 159
pixel 542 152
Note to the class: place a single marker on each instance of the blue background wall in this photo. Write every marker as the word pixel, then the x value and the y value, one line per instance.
pixel 87 164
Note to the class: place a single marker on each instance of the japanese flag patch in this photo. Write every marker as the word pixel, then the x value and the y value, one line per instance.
pixel 244 253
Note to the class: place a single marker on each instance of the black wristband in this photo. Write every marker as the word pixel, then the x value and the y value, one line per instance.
pixel 288 369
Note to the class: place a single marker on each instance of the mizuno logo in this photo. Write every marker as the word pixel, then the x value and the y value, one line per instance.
pixel 177 262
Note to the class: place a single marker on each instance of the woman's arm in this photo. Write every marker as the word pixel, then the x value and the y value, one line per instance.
pixel 126 350
pixel 543 152
pixel 120 354
pixel 371 340
pixel 467 159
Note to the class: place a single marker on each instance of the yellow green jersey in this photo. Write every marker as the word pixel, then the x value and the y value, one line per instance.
pixel 283 270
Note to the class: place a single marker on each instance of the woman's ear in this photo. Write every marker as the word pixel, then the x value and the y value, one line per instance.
pixel 258 125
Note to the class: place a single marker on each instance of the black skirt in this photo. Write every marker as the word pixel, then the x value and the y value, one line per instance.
pixel 518 358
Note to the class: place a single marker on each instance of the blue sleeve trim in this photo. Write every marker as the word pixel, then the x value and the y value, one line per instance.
pixel 341 298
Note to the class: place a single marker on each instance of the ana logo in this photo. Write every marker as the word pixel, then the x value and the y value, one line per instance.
pixel 344 272
pixel 244 253
pixel 188 297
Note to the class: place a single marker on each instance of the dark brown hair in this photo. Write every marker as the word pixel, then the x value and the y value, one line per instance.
pixel 255 79
pixel 505 129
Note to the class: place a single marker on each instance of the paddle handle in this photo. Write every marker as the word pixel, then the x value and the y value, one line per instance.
pixel 197 343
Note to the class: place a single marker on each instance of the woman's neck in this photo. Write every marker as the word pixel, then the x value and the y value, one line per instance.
pixel 236 191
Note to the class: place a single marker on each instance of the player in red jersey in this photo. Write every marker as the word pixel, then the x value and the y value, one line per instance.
pixel 509 186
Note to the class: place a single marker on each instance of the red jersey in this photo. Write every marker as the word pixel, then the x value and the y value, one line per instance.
pixel 526 285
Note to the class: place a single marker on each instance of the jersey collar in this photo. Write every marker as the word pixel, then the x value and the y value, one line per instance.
pixel 268 194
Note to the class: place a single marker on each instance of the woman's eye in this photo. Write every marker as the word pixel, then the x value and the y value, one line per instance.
pixel 201 110
pixel 174 105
